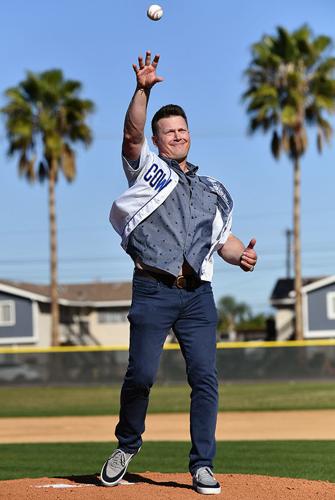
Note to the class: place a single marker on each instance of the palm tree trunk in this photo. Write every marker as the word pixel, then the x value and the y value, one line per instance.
pixel 299 334
pixel 53 257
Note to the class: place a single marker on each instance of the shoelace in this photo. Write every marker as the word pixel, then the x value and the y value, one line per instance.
pixel 204 473
pixel 118 459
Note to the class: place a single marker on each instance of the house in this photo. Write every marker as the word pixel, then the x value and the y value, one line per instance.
pixel 318 302
pixel 90 313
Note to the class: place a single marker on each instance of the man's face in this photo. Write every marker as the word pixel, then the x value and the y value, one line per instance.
pixel 172 138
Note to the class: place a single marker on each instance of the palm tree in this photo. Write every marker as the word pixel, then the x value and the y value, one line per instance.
pixel 44 117
pixel 231 312
pixel 291 86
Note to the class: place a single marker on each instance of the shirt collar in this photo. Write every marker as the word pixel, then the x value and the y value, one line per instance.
pixel 192 169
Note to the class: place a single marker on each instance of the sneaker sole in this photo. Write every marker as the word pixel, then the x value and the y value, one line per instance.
pixel 114 483
pixel 207 491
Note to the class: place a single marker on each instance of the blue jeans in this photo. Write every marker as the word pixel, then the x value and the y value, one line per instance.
pixel 155 309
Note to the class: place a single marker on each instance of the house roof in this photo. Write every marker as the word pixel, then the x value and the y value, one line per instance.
pixel 284 286
pixel 94 292
pixel 321 283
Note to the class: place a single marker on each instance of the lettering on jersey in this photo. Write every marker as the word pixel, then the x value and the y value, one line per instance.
pixel 156 177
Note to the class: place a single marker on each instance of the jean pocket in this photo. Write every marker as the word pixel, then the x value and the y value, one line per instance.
pixel 206 287
pixel 145 286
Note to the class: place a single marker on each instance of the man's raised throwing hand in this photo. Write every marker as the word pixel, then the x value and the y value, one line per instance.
pixel 146 71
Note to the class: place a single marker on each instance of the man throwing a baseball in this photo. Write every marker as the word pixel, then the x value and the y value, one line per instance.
pixel 171 221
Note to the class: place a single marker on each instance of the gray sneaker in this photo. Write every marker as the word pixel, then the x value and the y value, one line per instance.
pixel 204 482
pixel 115 467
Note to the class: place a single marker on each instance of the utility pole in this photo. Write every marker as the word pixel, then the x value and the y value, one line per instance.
pixel 289 234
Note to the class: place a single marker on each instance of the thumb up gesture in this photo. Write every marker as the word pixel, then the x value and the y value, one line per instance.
pixel 248 257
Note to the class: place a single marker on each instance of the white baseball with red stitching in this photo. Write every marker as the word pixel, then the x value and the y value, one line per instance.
pixel 155 12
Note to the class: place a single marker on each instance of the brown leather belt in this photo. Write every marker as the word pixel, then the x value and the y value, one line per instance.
pixel 189 281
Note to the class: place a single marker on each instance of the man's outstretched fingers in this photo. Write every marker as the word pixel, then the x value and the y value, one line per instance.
pixel 140 62
pixel 155 60
pixel 147 57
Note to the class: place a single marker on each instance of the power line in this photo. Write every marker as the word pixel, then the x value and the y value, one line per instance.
pixel 107 226
pixel 118 258
pixel 82 274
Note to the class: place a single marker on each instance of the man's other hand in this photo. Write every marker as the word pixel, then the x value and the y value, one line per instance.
pixel 248 257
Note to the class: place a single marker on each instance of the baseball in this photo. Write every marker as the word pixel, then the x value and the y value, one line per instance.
pixel 155 12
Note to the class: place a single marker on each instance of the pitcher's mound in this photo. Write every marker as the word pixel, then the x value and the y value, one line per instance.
pixel 152 485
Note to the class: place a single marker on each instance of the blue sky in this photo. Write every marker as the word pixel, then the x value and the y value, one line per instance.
pixel 204 52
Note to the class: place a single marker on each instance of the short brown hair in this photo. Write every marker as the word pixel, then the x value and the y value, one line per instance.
pixel 166 112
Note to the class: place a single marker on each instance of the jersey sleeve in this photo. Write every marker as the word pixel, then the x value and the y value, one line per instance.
pixel 132 168
pixel 226 232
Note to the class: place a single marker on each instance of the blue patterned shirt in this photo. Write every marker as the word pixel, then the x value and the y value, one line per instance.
pixel 178 230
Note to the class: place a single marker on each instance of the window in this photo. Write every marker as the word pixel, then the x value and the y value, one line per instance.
pixel 110 316
pixel 331 305
pixel 7 313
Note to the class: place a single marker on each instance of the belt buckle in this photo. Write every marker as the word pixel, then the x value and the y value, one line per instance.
pixel 181 281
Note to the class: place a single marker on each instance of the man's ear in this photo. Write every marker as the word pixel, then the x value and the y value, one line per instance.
pixel 154 140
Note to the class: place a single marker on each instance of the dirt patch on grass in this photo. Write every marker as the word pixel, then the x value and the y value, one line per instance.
pixel 231 426
pixel 165 486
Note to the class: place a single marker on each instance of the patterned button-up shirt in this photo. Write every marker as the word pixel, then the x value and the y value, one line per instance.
pixel 178 230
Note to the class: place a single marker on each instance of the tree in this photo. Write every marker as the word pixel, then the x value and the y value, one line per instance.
pixel 230 313
pixel 291 86
pixel 254 322
pixel 44 117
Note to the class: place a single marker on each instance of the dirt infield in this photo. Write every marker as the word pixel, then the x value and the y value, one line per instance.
pixel 165 486
pixel 312 424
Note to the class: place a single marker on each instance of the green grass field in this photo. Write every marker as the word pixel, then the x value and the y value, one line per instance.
pixel 299 459
pixel 57 401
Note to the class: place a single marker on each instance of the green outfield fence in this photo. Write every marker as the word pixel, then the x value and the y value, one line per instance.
pixel 236 362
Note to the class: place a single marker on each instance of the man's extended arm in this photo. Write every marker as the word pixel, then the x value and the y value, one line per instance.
pixel 133 132
pixel 234 252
